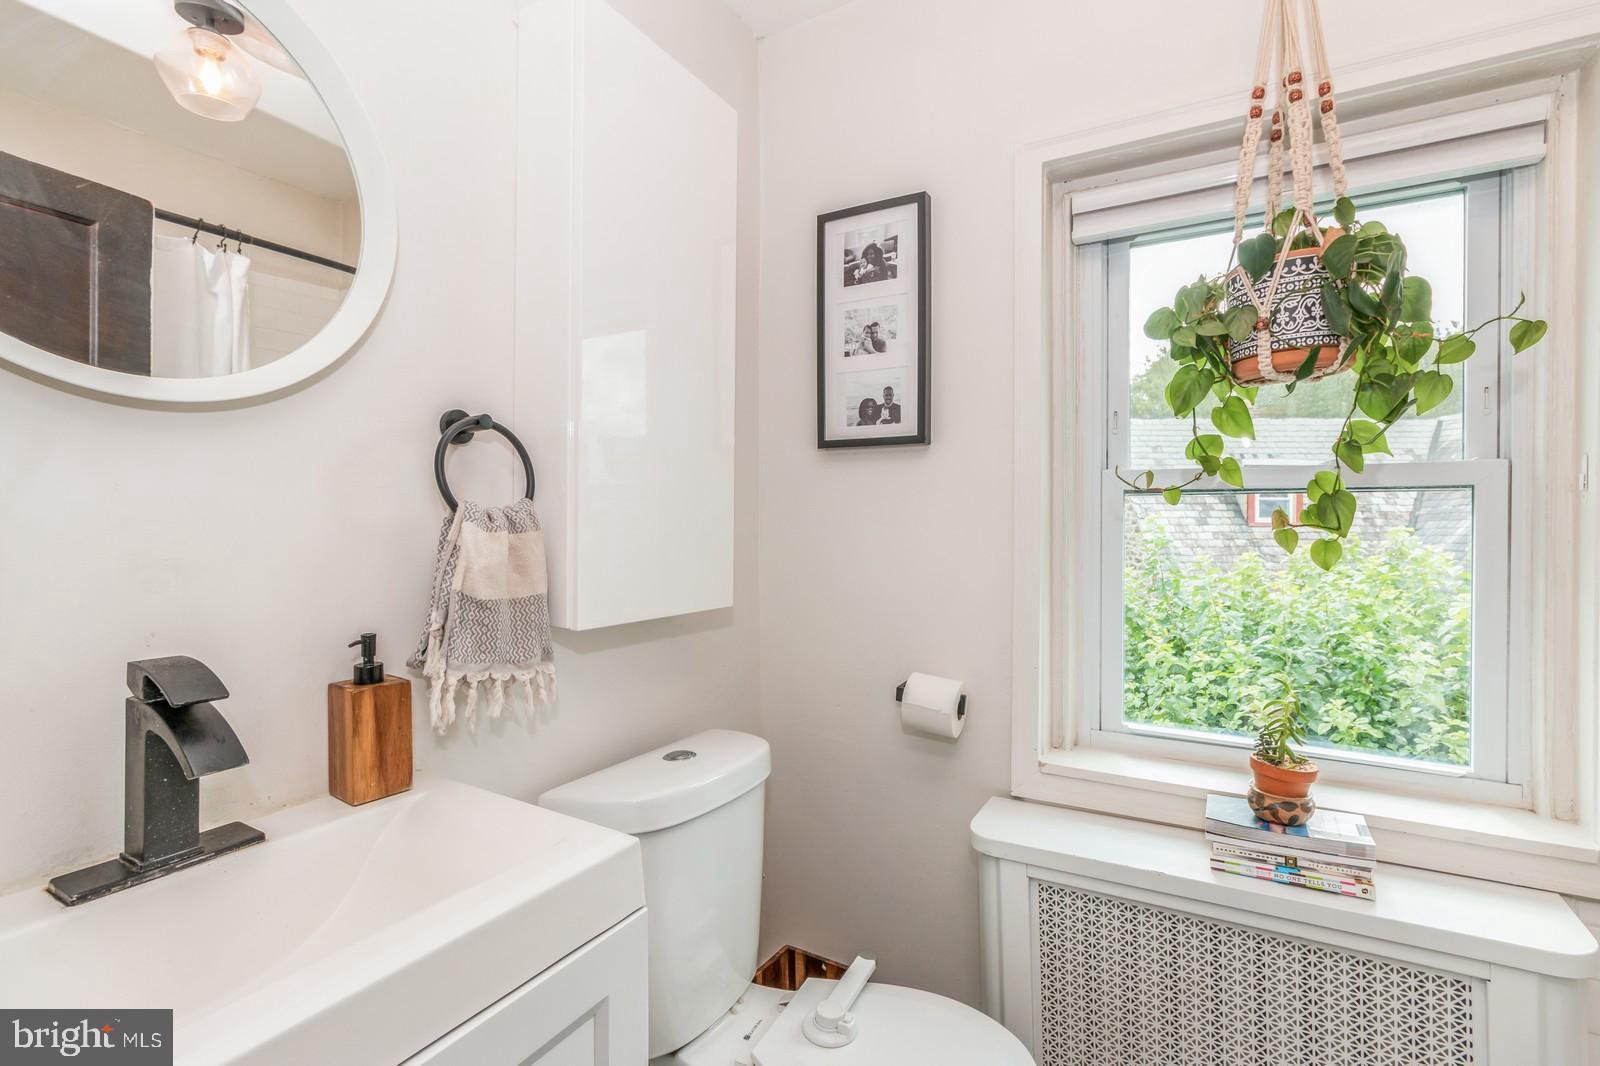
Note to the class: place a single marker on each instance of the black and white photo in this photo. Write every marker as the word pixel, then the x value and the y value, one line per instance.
pixel 872 255
pixel 873 314
pixel 871 328
pixel 872 397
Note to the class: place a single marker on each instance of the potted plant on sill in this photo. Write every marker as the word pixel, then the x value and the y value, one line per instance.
pixel 1298 303
pixel 1281 778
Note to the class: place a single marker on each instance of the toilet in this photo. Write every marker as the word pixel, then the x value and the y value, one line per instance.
pixel 697 808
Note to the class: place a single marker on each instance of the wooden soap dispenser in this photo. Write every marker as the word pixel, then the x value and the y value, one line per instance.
pixel 369 731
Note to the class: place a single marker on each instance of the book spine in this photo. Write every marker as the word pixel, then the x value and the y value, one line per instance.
pixel 1267 839
pixel 1352 868
pixel 1353 889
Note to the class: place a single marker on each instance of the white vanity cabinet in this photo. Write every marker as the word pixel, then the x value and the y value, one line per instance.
pixel 589 1009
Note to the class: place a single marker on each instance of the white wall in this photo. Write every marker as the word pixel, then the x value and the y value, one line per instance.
pixel 263 538
pixel 879 562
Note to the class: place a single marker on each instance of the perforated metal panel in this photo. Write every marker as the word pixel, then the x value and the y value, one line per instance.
pixel 1132 985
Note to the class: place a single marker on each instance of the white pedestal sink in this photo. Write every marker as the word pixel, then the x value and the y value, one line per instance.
pixel 352 935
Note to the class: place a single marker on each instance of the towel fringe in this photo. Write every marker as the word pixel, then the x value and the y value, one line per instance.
pixel 538 685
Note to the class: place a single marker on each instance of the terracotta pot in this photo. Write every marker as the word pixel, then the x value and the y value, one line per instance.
pixel 1291 782
pixel 1300 322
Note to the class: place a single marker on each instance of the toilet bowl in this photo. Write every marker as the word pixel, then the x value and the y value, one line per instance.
pixel 696 806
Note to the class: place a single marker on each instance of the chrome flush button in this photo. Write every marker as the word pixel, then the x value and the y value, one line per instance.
pixel 680 755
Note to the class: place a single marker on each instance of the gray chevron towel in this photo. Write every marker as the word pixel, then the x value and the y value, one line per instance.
pixel 489 621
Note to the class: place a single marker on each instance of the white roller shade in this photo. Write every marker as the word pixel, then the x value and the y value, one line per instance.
pixel 1479 141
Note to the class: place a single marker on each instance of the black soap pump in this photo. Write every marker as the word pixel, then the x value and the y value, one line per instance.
pixel 369 671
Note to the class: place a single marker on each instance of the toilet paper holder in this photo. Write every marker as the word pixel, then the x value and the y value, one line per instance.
pixel 961 704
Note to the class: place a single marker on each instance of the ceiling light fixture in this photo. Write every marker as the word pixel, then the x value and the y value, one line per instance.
pixel 201 67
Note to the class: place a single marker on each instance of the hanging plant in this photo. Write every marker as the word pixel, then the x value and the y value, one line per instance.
pixel 1299 303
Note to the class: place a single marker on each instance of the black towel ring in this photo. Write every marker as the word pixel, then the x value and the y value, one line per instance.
pixel 458 427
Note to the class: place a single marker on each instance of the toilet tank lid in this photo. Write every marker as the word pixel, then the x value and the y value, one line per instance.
pixel 667 786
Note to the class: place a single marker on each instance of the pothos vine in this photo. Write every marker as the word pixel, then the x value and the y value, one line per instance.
pixel 1395 353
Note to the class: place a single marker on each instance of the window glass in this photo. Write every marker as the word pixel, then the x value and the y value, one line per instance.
pixel 1378 649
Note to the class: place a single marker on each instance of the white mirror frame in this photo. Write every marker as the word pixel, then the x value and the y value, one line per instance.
pixel 362 301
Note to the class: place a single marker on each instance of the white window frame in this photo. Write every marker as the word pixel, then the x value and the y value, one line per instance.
pixel 1497 768
pixel 1550 840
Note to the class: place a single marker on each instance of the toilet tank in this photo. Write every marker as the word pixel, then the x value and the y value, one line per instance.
pixel 696 806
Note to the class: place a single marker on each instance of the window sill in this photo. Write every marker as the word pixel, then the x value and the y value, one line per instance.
pixel 1477 840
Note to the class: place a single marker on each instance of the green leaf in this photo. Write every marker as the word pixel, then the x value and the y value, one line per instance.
pixel 1344 212
pixel 1378 445
pixel 1161 323
pixel 1344 508
pixel 1432 389
pixel 1456 349
pixel 1325 553
pixel 1203 445
pixel 1411 344
pixel 1383 398
pixel 1257 254
pixel 1172 495
pixel 1187 388
pixel 1145 480
pixel 1373 229
pixel 1282 221
pixel 1233 418
pixel 1391 293
pixel 1241 321
pixel 1308 365
pixel 1230 473
pixel 1364 432
pixel 1339 256
pixel 1287 539
pixel 1336 308
pixel 1324 482
pixel 1210 326
pixel 1185 336
pixel 1416 300
pixel 1363 302
pixel 1351 455
pixel 1526 334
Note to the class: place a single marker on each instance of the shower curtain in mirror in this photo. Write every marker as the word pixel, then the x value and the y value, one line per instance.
pixel 200 310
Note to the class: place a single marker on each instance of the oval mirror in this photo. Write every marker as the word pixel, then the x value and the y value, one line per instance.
pixel 192 204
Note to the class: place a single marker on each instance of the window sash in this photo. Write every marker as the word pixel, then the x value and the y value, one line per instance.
pixel 1497 754
pixel 1489 480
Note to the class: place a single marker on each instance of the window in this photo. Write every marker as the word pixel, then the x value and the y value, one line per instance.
pixel 1399 654
pixel 1259 507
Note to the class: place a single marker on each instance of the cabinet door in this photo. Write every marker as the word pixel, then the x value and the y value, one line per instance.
pixel 75 266
pixel 589 1009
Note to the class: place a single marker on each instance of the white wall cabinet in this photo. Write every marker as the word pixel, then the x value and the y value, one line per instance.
pixel 589 1009
pixel 624 384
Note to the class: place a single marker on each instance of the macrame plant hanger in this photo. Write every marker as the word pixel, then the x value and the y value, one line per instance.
pixel 1278 59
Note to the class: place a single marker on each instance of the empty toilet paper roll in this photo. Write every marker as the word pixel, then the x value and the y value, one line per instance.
pixel 932 705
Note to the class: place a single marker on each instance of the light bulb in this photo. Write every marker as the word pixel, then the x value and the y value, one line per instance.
pixel 207 75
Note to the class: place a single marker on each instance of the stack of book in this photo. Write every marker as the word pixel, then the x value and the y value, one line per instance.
pixel 1333 852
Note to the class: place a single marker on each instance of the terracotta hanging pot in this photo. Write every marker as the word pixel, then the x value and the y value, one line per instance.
pixel 1299 320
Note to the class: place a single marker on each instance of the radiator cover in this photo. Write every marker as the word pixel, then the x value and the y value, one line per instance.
pixel 1136 985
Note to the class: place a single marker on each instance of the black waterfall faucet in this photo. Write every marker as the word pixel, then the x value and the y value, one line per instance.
pixel 175 736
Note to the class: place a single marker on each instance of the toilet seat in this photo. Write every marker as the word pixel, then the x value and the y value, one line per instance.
pixel 897 1027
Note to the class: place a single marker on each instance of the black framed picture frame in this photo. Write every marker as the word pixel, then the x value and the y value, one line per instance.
pixel 873 335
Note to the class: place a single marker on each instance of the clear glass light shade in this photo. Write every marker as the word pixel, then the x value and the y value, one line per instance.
pixel 207 75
